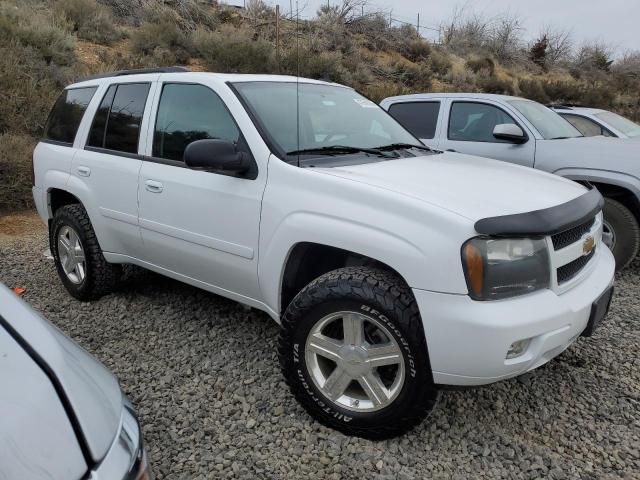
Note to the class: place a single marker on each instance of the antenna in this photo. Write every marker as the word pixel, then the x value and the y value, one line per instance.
pixel 298 80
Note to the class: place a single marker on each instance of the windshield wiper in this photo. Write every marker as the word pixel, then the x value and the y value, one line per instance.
pixel 399 146
pixel 338 149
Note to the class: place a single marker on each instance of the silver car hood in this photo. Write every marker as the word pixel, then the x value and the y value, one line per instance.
pixel 92 393
pixel 594 153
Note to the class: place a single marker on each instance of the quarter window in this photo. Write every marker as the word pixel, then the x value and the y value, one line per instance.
pixel 474 122
pixel 586 126
pixel 186 113
pixel 65 117
pixel 420 118
pixel 116 125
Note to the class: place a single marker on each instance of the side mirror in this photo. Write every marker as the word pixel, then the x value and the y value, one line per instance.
pixel 216 156
pixel 510 132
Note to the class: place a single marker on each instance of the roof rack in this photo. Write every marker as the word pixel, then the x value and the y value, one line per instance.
pixel 137 71
pixel 561 106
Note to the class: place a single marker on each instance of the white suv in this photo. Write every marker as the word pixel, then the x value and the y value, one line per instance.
pixel 393 269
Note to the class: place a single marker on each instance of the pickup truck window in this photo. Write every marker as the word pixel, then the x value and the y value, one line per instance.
pixel 65 117
pixel 329 116
pixel 548 123
pixel 116 125
pixel 475 121
pixel 420 118
pixel 587 127
pixel 626 126
pixel 186 113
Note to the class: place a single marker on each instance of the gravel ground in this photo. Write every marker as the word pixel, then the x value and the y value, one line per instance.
pixel 203 374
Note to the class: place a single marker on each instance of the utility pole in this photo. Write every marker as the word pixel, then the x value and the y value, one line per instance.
pixel 278 36
pixel 390 18
pixel 418 25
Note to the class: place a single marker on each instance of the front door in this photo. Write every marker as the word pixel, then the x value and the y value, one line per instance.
pixel 469 130
pixel 201 225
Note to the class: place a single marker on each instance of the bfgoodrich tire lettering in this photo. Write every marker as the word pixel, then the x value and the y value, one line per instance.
pixel 100 277
pixel 385 298
pixel 624 226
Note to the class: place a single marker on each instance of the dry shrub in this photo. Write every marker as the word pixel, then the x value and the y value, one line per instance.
pixel 15 171
pixel 234 50
pixel 162 37
pixel 88 20
pixel 482 64
pixel 533 90
pixel 492 84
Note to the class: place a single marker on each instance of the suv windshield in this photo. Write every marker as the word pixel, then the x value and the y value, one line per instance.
pixel 333 120
pixel 550 125
pixel 624 125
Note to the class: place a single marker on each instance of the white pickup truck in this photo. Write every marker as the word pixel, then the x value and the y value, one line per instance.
pixel 391 268
pixel 527 133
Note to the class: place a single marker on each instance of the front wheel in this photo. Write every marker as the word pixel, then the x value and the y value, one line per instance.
pixel 620 232
pixel 353 352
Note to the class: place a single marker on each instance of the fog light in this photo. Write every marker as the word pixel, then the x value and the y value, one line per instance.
pixel 518 348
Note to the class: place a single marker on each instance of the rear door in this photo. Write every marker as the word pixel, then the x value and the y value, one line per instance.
pixel 468 128
pixel 201 225
pixel 420 118
pixel 109 162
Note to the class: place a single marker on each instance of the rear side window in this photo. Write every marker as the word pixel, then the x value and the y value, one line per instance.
pixel 67 113
pixel 186 113
pixel 116 125
pixel 420 118
pixel 587 127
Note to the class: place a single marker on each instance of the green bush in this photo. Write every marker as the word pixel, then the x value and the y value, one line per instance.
pixel 34 28
pixel 88 20
pixel 234 50
pixel 15 171
pixel 162 38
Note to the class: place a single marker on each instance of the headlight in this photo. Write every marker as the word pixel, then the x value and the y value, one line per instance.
pixel 497 268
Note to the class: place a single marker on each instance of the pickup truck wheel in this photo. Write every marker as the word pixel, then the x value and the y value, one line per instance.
pixel 353 352
pixel 79 261
pixel 620 232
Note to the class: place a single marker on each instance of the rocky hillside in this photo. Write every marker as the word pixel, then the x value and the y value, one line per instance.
pixel 44 45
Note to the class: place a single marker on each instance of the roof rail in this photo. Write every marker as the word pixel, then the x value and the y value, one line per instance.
pixel 137 71
pixel 561 106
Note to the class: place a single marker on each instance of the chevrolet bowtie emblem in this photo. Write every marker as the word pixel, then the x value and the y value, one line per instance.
pixel 587 246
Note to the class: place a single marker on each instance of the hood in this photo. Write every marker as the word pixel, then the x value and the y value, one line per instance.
pixel 92 392
pixel 601 153
pixel 470 186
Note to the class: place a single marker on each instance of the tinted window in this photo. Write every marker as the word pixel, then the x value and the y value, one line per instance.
pixel 67 113
pixel 125 117
pixel 420 118
pixel 548 123
pixel 187 113
pixel 621 123
pixel 474 122
pixel 587 127
pixel 96 134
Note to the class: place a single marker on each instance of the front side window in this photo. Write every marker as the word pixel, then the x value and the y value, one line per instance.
pixel 186 113
pixel 586 126
pixel 620 123
pixel 67 113
pixel 116 125
pixel 475 122
pixel 548 123
pixel 312 119
pixel 420 118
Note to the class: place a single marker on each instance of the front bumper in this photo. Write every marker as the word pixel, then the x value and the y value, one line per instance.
pixel 127 458
pixel 468 340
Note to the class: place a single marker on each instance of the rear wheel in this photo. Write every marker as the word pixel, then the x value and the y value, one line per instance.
pixel 79 261
pixel 353 352
pixel 621 232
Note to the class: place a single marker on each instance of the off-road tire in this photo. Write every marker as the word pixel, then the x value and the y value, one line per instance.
pixel 101 277
pixel 386 297
pixel 627 232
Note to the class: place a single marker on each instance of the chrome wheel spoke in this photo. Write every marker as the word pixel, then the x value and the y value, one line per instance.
pixel 353 328
pixel 324 346
pixel 337 383
pixel 379 356
pixel 71 255
pixel 63 245
pixel 374 388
